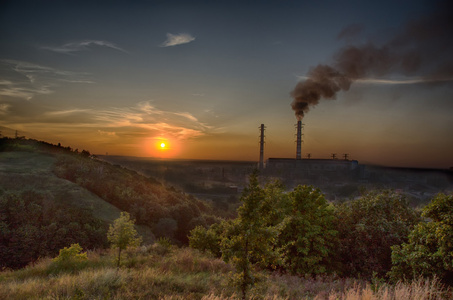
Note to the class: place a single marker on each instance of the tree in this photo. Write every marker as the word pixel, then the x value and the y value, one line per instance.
pixel 429 251
pixel 307 237
pixel 208 239
pixel 247 242
pixel 368 227
pixel 122 234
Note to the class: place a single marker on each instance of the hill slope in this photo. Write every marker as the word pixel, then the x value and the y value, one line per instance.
pixel 162 272
pixel 21 171
pixel 51 196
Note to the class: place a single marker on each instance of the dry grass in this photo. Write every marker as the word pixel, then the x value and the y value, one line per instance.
pixel 188 274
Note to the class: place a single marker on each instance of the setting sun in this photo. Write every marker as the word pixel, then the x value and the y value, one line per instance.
pixel 162 145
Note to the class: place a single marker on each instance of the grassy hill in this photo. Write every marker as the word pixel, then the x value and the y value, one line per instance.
pixel 167 272
pixel 21 171
pixel 52 196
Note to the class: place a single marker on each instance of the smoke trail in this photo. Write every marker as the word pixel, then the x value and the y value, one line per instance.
pixel 423 48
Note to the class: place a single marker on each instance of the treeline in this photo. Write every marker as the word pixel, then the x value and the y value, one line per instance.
pixel 32 145
pixel 33 226
pixel 378 235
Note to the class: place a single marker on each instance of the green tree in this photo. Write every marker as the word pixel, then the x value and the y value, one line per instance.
pixel 368 227
pixel 429 251
pixel 122 234
pixel 208 239
pixel 307 237
pixel 247 242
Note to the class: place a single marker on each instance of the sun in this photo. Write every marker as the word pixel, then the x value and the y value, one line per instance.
pixel 162 145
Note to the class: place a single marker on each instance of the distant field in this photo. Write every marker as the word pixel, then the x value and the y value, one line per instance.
pixel 222 181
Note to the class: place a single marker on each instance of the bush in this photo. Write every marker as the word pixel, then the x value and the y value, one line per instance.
pixel 429 251
pixel 307 238
pixel 70 259
pixel 368 227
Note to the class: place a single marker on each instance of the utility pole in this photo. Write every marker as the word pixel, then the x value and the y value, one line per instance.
pixel 262 127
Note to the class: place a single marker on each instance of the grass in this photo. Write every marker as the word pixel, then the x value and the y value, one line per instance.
pixel 162 272
pixel 33 171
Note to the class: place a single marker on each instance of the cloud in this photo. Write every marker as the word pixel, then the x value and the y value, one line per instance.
pixel 140 121
pixel 107 133
pixel 187 115
pixel 67 112
pixel 402 82
pixel 4 108
pixel 384 81
pixel 82 46
pixel 144 115
pixel 34 79
pixel 177 39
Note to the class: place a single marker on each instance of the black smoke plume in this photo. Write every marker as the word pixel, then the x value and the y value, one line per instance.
pixel 424 48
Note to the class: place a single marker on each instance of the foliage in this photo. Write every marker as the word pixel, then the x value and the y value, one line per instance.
pixel 69 259
pixel 307 237
pixel 122 234
pixel 148 201
pixel 290 231
pixel 429 251
pixel 71 253
pixel 188 274
pixel 368 227
pixel 208 239
pixel 166 227
pixel 32 225
pixel 248 240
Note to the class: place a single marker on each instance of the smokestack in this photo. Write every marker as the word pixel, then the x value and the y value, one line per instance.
pixel 299 140
pixel 261 147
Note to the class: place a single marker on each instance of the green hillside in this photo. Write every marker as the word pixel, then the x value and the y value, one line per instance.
pixel 282 244
pixel 47 190
pixel 21 171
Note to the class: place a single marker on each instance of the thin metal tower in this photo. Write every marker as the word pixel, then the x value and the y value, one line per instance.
pixel 261 166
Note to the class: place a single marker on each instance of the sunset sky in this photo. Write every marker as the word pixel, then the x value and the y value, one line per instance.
pixel 201 76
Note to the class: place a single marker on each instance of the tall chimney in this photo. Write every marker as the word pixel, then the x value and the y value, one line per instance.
pixel 299 140
pixel 262 147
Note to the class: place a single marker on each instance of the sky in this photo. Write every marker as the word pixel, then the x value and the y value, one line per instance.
pixel 373 79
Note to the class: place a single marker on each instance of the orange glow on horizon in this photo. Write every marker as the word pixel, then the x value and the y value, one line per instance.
pixel 161 147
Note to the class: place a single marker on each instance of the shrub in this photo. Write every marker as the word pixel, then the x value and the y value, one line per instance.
pixel 69 259
pixel 429 251
pixel 307 237
pixel 368 227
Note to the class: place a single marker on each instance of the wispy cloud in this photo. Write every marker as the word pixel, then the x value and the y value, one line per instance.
pixel 82 46
pixel 140 121
pixel 180 125
pixel 177 39
pixel 383 81
pixel 186 115
pixel 34 79
pixel 402 81
pixel 107 133
pixel 67 112
pixel 4 108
